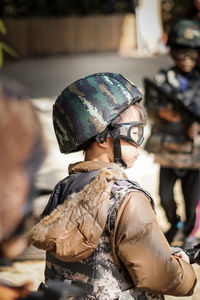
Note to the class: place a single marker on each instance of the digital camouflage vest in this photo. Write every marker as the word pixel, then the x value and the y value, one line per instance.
pixel 98 275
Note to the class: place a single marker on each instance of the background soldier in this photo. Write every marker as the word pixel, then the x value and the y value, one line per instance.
pixel 173 103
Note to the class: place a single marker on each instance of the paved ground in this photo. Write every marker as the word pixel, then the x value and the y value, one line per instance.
pixel 44 79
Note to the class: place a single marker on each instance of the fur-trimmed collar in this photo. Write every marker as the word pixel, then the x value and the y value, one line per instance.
pixel 71 232
pixel 86 166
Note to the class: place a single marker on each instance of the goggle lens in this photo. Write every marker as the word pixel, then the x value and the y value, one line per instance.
pixel 136 134
pixel 132 132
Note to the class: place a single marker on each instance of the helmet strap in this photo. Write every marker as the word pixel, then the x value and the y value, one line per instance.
pixel 117 152
pixel 101 138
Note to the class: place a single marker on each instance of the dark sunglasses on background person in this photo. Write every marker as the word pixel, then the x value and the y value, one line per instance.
pixel 183 54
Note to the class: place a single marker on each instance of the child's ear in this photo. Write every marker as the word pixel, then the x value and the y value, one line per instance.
pixel 107 144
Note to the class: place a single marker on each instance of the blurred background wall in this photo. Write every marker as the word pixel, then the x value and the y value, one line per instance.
pixel 51 27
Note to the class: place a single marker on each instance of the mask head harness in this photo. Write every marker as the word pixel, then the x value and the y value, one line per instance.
pixel 131 132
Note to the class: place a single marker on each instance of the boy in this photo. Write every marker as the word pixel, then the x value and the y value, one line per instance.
pixel 174 107
pixel 100 229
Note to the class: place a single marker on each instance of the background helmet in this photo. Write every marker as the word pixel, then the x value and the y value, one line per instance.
pixel 86 107
pixel 184 33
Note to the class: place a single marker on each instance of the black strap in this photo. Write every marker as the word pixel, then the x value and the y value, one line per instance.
pixel 117 152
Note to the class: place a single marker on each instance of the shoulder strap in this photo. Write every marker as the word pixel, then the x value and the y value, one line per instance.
pixel 74 183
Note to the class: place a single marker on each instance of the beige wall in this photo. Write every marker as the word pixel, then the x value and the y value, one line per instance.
pixel 43 36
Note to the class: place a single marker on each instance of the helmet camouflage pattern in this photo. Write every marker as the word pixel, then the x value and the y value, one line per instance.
pixel 86 107
pixel 185 33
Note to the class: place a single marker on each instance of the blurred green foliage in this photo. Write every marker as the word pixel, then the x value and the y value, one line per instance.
pixel 171 9
pixel 3 46
pixel 176 9
pixel 19 8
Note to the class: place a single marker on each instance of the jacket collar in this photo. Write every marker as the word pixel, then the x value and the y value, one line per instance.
pixel 87 166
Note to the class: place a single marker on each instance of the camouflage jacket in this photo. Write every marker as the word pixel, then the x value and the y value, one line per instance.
pixel 169 141
pixel 106 238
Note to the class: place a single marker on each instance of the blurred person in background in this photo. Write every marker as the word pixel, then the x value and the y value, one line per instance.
pixel 173 102
pixel 21 154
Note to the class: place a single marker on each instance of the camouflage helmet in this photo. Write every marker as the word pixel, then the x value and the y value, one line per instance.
pixel 185 33
pixel 86 107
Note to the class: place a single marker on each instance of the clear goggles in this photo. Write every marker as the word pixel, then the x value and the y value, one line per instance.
pixel 131 132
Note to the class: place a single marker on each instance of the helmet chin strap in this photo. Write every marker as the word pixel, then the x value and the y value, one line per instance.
pixel 117 152
pixel 114 134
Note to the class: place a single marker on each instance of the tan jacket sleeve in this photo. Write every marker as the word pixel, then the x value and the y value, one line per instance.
pixel 145 252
